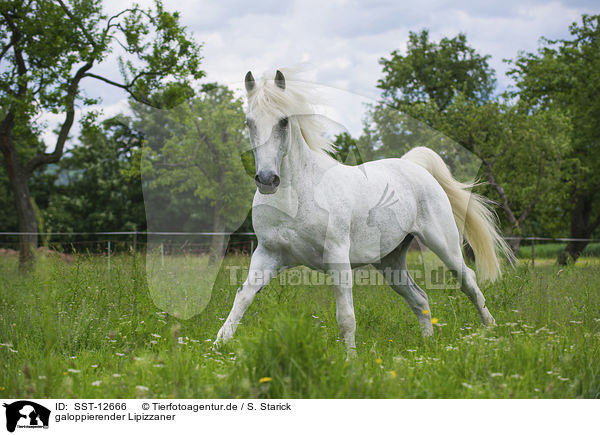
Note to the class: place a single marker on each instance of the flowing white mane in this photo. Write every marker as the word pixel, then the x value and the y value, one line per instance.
pixel 297 101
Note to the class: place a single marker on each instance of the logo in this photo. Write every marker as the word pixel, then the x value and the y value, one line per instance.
pixel 26 414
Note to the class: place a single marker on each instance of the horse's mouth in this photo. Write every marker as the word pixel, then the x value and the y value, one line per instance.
pixel 266 189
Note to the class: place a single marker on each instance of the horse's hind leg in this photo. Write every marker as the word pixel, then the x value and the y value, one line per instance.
pixel 404 285
pixel 441 236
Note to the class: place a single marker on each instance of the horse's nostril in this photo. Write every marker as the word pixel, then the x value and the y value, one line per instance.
pixel 267 178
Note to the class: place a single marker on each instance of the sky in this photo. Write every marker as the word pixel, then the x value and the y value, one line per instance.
pixel 339 42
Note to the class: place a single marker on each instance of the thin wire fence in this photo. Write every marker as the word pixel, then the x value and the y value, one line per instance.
pixel 199 243
pixel 114 242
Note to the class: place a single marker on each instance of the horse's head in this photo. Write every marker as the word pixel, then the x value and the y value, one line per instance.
pixel 269 133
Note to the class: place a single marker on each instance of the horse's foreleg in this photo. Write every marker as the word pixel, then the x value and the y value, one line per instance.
pixel 341 274
pixel 263 267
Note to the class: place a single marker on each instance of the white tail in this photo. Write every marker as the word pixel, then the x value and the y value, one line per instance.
pixel 472 213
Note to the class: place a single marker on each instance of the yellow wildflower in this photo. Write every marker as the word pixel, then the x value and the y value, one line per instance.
pixel 378 360
pixel 434 320
pixel 425 312
pixel 265 379
pixel 393 373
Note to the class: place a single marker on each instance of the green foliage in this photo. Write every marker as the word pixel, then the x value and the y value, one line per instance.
pixel 436 72
pixel 94 191
pixel 347 150
pixel 564 75
pixel 518 150
pixel 41 181
pixel 44 42
pixel 48 48
pixel 200 155
pixel 520 153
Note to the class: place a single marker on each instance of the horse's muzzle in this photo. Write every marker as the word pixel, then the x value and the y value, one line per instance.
pixel 267 182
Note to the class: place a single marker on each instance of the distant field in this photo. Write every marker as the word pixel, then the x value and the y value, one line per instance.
pixel 552 250
pixel 71 331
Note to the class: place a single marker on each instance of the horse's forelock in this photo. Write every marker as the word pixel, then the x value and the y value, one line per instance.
pixel 298 98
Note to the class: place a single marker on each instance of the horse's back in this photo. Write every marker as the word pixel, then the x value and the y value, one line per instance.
pixel 386 200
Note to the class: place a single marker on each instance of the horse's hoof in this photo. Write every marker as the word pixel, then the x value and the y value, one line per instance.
pixel 351 354
pixel 489 321
pixel 218 344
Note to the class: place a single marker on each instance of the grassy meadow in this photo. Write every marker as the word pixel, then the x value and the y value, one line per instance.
pixel 73 331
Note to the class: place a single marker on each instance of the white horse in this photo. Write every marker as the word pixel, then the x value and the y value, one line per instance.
pixel 311 210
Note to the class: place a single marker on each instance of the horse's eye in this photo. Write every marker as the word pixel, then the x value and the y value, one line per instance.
pixel 283 122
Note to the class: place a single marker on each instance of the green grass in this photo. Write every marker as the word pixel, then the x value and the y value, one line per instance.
pixel 72 332
pixel 552 250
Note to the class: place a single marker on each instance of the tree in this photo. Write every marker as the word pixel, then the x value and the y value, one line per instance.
pixel 30 146
pixel 347 149
pixel 520 154
pixel 95 192
pixel 198 159
pixel 565 75
pixel 448 86
pixel 436 72
pixel 48 48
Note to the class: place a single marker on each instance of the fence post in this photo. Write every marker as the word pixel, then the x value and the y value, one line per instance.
pixel 533 251
pixel 162 254
pixel 251 246
pixel 135 240
pixel 109 258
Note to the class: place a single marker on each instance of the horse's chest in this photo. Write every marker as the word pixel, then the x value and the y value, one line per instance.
pixel 301 237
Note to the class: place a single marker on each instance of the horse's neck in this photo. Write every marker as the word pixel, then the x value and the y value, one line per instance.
pixel 301 168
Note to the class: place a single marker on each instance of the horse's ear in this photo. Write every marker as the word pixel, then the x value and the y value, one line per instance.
pixel 280 80
pixel 249 82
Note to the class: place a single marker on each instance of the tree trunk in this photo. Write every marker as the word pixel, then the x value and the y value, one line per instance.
pixel 217 243
pixel 515 244
pixel 581 228
pixel 24 206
